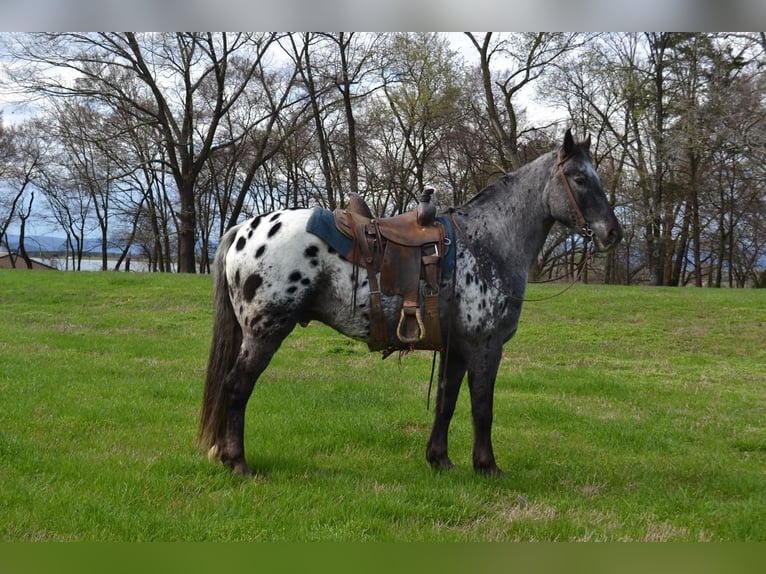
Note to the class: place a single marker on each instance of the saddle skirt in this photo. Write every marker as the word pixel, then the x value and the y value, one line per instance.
pixel 404 256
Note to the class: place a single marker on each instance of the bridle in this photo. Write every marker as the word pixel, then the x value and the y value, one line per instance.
pixel 582 223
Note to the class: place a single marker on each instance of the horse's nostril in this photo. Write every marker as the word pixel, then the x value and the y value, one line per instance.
pixel 615 236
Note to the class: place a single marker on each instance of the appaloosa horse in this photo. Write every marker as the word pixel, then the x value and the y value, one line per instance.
pixel 271 274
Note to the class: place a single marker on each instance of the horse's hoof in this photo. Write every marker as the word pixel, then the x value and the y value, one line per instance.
pixel 241 469
pixel 238 466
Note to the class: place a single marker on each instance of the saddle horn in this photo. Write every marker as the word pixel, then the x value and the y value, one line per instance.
pixel 426 209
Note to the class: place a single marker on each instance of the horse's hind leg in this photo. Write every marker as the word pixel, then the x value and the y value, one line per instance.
pixel 451 374
pixel 253 358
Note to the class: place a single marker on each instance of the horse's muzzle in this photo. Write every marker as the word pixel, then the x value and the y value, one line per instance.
pixel 607 237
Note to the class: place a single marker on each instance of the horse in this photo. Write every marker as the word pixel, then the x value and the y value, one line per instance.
pixel 270 274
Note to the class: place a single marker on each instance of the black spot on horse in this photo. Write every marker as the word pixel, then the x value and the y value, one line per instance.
pixel 254 223
pixel 241 243
pixel 260 251
pixel 330 250
pixel 305 281
pixel 311 251
pixel 274 229
pixel 236 278
pixel 275 216
pixel 314 262
pixel 294 276
pixel 468 278
pixel 292 289
pixel 251 286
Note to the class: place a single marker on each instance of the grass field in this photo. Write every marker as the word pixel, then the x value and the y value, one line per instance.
pixel 620 414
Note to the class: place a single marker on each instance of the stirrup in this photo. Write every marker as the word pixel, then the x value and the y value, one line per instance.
pixel 408 311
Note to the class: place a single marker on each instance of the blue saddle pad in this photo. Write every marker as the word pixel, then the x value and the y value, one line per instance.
pixel 322 224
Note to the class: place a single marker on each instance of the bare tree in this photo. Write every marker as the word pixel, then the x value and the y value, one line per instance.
pixel 183 84
pixel 21 161
pixel 508 63
pixel 420 111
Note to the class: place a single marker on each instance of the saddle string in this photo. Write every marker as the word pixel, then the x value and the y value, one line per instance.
pixel 431 382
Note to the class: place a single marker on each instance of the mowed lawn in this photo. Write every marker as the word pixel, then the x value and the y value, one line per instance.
pixel 621 413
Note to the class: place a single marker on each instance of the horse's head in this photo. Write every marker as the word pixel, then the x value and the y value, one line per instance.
pixel 577 199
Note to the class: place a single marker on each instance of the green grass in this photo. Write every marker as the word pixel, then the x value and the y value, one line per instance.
pixel 620 414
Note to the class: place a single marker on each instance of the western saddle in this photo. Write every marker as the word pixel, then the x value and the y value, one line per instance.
pixel 403 256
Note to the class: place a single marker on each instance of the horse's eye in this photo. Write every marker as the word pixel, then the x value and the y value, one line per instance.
pixel 579 180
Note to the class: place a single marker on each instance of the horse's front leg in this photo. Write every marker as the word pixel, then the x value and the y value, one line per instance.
pixel 482 373
pixel 451 372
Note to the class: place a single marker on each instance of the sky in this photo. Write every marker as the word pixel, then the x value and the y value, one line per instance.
pixel 410 15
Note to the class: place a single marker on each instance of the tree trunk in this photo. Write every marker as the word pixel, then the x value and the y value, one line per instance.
pixel 353 159
pixel 187 219
pixel 308 76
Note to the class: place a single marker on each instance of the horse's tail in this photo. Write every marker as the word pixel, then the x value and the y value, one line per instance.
pixel 227 339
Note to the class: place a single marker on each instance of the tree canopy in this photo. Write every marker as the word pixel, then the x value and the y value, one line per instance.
pixel 156 143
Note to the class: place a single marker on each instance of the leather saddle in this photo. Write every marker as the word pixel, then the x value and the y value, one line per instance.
pixel 403 256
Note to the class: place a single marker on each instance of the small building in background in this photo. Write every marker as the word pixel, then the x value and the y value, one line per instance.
pixel 14 261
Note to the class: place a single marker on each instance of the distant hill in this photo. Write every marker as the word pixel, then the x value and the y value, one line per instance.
pixel 50 244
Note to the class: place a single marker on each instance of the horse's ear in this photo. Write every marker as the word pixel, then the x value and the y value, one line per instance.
pixel 568 143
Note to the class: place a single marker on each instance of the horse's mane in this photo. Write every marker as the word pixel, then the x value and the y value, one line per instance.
pixel 504 181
